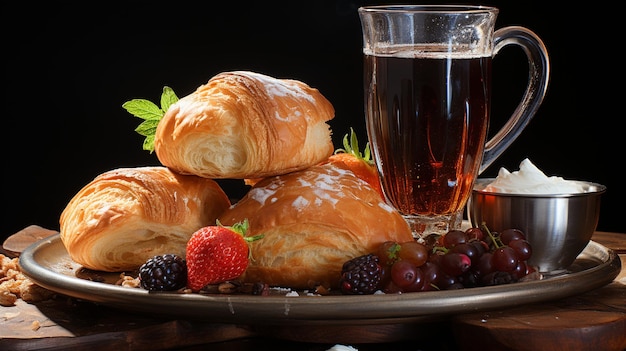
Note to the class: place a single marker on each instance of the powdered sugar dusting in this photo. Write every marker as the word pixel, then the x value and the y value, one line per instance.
pixel 324 188
pixel 325 182
pixel 325 195
pixel 303 182
pixel 275 87
pixel 261 195
pixel 386 207
pixel 300 203
pixel 278 87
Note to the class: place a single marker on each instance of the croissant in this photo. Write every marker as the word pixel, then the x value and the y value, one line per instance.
pixel 313 221
pixel 127 215
pixel 245 125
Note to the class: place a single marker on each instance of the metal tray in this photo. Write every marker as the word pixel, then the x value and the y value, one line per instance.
pixel 48 264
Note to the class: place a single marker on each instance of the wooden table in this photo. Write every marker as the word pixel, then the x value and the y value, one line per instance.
pixel 595 320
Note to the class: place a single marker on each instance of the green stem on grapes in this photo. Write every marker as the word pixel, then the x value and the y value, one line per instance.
pixel 496 241
pixel 440 249
pixel 393 252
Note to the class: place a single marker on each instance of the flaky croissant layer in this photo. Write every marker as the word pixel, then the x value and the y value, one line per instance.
pixel 127 215
pixel 244 124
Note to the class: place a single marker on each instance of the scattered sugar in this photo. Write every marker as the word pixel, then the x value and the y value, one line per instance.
pixel 304 183
pixel 385 207
pixel 324 181
pixel 300 203
pixel 278 87
pixel 261 194
pixel 323 187
pixel 324 195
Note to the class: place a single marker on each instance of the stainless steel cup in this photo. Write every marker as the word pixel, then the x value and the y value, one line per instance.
pixel 557 226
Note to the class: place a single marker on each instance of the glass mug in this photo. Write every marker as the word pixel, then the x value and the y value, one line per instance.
pixel 427 85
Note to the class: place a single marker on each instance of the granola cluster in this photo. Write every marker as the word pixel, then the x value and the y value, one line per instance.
pixel 15 285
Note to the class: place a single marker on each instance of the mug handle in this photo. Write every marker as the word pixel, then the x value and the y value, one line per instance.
pixel 539 74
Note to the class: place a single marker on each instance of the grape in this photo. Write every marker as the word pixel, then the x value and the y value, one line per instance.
pixel 446 281
pixel 468 250
pixel 414 252
pixel 475 233
pixel 457 260
pixel 436 257
pixel 508 235
pixel 522 249
pixel 484 265
pixel 520 270
pixel 403 273
pixel 454 263
pixel 431 272
pixel 387 252
pixel 489 240
pixel 504 259
pixel 470 278
pixel 453 238
pixel 480 246
pixel 418 284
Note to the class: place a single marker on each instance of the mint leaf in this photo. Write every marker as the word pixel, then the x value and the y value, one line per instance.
pixel 151 114
pixel 148 143
pixel 147 127
pixel 143 109
pixel 168 98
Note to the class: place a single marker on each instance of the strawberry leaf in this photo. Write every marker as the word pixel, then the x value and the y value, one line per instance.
pixel 351 146
pixel 151 114
pixel 241 228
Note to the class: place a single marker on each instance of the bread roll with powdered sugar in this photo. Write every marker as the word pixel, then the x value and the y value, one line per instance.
pixel 313 221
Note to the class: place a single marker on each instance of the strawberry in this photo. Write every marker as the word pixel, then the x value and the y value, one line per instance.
pixel 351 158
pixel 217 253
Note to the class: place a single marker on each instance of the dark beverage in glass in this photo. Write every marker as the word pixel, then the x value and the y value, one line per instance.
pixel 428 99
pixel 427 120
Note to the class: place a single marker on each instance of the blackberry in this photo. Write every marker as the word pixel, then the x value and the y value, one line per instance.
pixel 163 273
pixel 498 278
pixel 360 275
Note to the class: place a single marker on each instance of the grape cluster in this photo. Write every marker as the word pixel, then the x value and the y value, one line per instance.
pixel 459 259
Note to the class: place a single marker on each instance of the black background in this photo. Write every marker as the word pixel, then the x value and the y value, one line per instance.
pixel 68 69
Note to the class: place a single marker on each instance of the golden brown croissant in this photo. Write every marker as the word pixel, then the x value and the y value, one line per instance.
pixel 127 215
pixel 313 221
pixel 245 125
